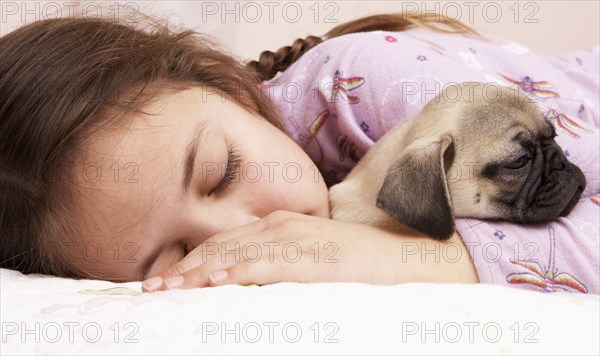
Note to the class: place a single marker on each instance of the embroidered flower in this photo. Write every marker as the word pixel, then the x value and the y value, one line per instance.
pixel 514 47
pixel 499 234
pixel 391 39
pixel 470 60
pixel 421 58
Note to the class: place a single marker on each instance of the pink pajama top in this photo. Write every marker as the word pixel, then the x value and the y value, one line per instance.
pixel 340 97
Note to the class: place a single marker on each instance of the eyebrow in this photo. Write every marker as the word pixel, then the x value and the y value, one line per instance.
pixel 199 136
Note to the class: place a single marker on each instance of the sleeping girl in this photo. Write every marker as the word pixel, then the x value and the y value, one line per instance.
pixel 132 152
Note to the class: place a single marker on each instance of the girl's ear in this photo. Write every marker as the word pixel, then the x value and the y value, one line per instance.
pixel 415 189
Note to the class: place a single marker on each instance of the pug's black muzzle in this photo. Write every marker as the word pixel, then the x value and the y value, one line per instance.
pixel 553 187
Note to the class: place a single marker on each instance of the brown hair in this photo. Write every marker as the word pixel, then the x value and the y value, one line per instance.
pixel 64 80
pixel 270 63
pixel 61 81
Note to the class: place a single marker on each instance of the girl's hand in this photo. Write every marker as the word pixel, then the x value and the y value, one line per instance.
pixel 292 247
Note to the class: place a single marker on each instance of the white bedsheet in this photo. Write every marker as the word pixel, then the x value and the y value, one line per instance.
pixel 48 315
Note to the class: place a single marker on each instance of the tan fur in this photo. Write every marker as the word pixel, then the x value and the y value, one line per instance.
pixel 481 125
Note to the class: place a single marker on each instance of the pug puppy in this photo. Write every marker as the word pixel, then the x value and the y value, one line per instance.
pixel 477 150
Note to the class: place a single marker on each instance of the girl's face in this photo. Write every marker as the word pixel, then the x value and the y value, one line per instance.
pixel 159 188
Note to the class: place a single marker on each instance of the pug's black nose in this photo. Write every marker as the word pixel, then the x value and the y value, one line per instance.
pixel 557 164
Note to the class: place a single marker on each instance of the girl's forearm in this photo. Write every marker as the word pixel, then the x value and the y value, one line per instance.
pixel 423 259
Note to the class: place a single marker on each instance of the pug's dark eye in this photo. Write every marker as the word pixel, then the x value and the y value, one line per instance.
pixel 518 163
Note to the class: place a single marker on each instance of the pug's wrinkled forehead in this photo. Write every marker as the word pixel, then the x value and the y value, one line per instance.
pixel 476 109
pixel 491 125
pixel 508 121
pixel 483 94
pixel 501 119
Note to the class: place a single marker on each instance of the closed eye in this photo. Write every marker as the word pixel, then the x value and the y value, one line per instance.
pixel 234 161
pixel 518 163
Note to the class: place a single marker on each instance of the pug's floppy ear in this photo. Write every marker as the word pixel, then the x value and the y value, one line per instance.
pixel 415 189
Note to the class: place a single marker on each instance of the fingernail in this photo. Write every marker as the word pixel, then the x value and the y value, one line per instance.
pixel 174 282
pixel 152 284
pixel 218 276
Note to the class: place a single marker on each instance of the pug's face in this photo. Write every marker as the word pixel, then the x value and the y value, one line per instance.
pixel 475 156
pixel 507 165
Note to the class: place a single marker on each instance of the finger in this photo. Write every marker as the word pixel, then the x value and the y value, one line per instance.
pixel 250 248
pixel 229 253
pixel 198 276
pixel 212 251
pixel 213 245
pixel 220 250
pixel 272 267
pixel 198 255
pixel 264 272
pixel 229 273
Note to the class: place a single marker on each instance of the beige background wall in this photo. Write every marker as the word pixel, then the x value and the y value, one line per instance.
pixel 248 27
